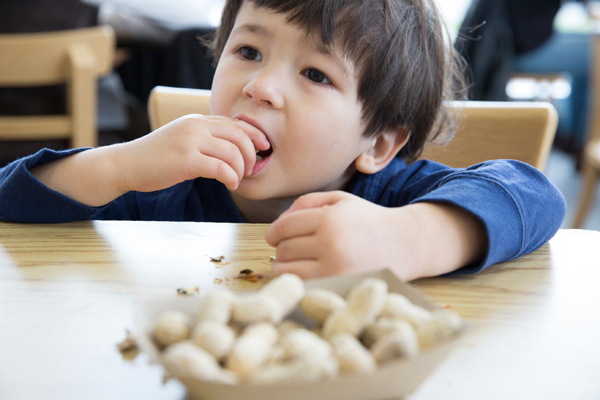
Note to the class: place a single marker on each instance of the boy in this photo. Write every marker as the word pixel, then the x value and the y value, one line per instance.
pixel 312 97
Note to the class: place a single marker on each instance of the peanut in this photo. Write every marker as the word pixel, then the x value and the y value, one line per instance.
pixel 351 355
pixel 187 361
pixel 318 304
pixel 365 301
pixel 398 306
pixel 398 343
pixel 214 337
pixel 216 306
pixel 254 308
pixel 172 327
pixel 381 327
pixel 302 343
pixel 252 349
pixel 272 303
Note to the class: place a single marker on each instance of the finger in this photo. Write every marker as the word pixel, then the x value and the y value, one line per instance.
pixel 293 225
pixel 305 269
pixel 258 137
pixel 227 129
pixel 214 168
pixel 315 200
pixel 298 248
pixel 238 135
pixel 254 139
pixel 225 151
pixel 241 134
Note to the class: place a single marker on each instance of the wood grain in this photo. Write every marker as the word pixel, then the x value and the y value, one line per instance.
pixel 68 292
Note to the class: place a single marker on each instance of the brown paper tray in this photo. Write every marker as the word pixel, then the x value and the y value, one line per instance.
pixel 393 380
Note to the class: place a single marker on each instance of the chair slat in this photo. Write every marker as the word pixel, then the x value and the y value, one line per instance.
pixel 35 127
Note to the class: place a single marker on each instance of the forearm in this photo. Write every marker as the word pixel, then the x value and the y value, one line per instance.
pixel 92 177
pixel 441 238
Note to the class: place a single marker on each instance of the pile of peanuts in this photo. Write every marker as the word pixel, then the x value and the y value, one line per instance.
pixel 245 339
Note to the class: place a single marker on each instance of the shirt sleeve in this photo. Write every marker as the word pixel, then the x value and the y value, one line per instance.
pixel 23 198
pixel 518 206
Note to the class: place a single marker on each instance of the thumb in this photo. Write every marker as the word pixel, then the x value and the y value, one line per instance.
pixel 316 200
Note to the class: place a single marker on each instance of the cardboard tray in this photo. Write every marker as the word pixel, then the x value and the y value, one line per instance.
pixel 393 380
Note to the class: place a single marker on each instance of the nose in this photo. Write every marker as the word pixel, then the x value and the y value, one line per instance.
pixel 266 89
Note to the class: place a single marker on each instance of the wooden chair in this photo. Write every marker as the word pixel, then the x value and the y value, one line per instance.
pixel 166 104
pixel 488 130
pixel 521 131
pixel 74 57
pixel 590 161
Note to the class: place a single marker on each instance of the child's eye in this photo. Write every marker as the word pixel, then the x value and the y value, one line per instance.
pixel 250 54
pixel 317 76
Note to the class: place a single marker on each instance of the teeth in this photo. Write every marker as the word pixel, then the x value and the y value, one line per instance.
pixel 258 158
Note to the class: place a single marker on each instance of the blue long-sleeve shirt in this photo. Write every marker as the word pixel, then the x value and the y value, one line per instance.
pixel 519 208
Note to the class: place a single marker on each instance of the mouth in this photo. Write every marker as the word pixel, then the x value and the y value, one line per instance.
pixel 262 154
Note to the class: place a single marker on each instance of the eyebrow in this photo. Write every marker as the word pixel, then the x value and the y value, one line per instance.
pixel 255 29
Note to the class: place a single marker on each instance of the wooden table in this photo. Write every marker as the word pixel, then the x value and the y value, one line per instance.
pixel 67 294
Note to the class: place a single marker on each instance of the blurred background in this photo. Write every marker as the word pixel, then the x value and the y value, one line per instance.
pixel 527 50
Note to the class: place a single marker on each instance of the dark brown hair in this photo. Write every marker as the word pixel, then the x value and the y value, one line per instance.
pixel 405 64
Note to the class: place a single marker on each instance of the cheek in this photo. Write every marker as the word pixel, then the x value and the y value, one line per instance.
pixel 333 128
pixel 326 140
pixel 223 89
pixel 217 95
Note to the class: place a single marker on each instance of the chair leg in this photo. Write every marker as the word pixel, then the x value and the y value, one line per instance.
pixel 590 178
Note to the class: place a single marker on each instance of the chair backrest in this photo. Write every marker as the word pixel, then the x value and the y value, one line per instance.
pixel 74 57
pixel 521 131
pixel 35 59
pixel 166 104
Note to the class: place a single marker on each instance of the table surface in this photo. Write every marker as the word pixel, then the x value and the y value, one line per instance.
pixel 67 294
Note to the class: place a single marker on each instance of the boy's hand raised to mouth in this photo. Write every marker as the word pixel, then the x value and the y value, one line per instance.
pixel 189 147
pixel 194 146
pixel 333 233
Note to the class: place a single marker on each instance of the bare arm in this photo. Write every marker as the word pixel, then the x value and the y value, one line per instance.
pixel 445 237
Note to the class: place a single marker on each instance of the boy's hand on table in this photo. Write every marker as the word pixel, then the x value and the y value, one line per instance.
pixel 334 233
pixel 189 147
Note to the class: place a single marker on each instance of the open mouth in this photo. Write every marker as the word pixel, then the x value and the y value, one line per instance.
pixel 262 154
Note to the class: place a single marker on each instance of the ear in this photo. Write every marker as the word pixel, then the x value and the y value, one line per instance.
pixel 381 152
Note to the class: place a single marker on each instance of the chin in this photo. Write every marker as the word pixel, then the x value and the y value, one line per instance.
pixel 252 192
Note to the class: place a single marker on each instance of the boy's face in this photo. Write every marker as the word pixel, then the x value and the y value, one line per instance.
pixel 302 97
